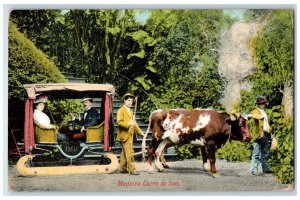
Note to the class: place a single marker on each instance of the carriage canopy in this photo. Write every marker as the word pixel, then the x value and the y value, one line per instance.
pixel 35 89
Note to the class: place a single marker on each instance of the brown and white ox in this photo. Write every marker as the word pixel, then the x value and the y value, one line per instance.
pixel 207 128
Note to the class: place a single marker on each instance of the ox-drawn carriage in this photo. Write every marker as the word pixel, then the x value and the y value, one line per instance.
pixel 91 154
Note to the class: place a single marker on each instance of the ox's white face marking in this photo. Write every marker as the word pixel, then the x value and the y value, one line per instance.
pixel 202 122
pixel 198 142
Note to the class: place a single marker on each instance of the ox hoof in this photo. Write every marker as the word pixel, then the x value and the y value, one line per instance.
pixel 206 166
pixel 166 166
pixel 160 170
pixel 215 175
pixel 159 166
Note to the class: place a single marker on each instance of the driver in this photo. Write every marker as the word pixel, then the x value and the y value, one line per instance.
pixel 90 115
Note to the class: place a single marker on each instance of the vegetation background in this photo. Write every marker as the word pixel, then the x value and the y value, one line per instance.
pixel 169 58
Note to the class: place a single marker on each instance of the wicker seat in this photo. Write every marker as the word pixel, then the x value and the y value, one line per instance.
pixel 45 135
pixel 95 133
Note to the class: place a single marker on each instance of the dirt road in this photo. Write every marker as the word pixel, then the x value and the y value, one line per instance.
pixel 187 175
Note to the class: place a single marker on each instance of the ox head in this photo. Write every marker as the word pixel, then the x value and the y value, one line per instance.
pixel 239 127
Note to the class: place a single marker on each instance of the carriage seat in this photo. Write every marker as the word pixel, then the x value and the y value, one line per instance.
pixel 95 133
pixel 45 135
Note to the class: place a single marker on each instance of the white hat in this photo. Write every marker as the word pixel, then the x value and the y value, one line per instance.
pixel 87 98
pixel 41 99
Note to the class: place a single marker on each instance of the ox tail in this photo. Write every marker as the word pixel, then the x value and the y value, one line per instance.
pixel 145 137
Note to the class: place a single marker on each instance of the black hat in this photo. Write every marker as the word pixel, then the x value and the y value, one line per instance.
pixel 261 100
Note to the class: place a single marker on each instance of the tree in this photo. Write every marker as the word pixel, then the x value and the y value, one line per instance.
pixel 185 73
pixel 41 27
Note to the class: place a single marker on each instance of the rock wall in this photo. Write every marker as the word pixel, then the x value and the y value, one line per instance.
pixel 235 62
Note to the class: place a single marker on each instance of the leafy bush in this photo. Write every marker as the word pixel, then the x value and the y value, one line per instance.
pixel 235 151
pixel 286 174
pixel 27 64
pixel 282 160
pixel 188 151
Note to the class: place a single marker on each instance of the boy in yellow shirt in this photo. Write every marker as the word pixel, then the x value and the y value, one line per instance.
pixel 127 126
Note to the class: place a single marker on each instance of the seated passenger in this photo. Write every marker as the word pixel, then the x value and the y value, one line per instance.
pixel 43 119
pixel 90 115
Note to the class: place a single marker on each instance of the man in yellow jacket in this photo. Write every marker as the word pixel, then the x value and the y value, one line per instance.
pixel 261 137
pixel 127 127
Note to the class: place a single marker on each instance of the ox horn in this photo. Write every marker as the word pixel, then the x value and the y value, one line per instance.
pixel 234 115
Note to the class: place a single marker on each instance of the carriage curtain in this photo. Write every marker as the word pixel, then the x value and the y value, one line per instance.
pixel 28 126
pixel 107 122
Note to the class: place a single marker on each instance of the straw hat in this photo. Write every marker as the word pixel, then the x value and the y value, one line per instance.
pixel 127 95
pixel 87 99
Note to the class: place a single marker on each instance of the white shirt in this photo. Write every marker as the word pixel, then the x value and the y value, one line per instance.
pixel 85 113
pixel 42 118
pixel 129 110
pixel 265 118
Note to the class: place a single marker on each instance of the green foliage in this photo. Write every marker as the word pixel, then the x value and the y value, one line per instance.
pixel 274 52
pixel 188 151
pixel 51 154
pixel 282 160
pixel 144 82
pixel 285 174
pixel 182 68
pixel 37 25
pixel 256 14
pixel 140 54
pixel 235 151
pixel 60 110
pixel 161 21
pixel 27 64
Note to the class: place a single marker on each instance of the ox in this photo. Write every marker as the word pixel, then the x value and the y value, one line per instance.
pixel 207 128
